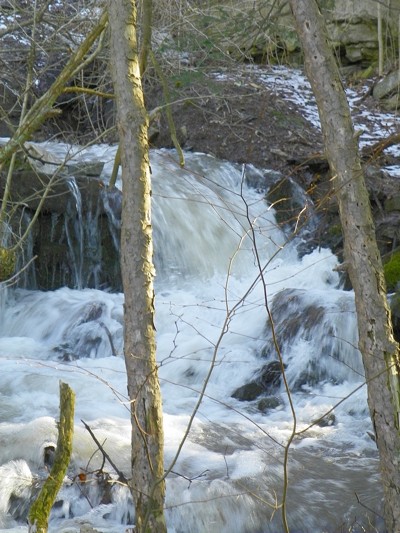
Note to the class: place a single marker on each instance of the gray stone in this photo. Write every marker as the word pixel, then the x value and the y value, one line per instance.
pixel 268 403
pixel 261 179
pixel 290 203
pixel 327 421
pixel 87 528
pixel 347 33
pixel 32 176
pixel 250 391
pixel 266 381
pixel 387 85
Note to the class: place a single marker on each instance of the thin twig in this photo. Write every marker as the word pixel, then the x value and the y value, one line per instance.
pixel 121 476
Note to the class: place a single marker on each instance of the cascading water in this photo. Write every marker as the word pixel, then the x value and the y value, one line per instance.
pixel 76 252
pixel 210 310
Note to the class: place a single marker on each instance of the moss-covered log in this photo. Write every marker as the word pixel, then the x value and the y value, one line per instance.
pixel 40 511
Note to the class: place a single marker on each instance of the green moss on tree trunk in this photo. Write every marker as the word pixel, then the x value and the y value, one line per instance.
pixel 40 511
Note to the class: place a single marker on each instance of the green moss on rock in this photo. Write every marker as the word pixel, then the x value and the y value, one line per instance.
pixel 7 263
pixel 392 271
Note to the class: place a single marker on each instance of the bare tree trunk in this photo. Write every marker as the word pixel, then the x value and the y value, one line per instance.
pixel 147 485
pixel 379 350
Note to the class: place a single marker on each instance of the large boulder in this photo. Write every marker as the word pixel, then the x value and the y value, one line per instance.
pixel 386 90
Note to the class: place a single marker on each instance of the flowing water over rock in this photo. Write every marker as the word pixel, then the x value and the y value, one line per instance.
pixel 224 268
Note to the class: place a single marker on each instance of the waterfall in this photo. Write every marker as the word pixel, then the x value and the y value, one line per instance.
pixel 75 252
pixel 209 295
pixel 199 218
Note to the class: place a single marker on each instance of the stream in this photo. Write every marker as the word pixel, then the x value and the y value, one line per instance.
pixel 221 262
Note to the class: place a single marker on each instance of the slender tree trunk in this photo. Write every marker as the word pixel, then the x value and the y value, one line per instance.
pixel 147 485
pixel 379 350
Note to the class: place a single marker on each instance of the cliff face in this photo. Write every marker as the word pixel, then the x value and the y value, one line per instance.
pixel 352 27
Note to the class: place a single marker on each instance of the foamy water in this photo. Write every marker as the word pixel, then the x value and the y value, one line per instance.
pixel 210 311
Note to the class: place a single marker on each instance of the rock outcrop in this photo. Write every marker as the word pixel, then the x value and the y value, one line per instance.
pixel 75 239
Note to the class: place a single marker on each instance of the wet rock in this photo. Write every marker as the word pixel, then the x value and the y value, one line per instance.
pixel 29 184
pixel 86 169
pixel 268 403
pixel 300 316
pixel 92 312
pixel 86 528
pixel 271 374
pixel 267 381
pixel 326 421
pixel 76 236
pixel 48 456
pixel 293 317
pixel 261 179
pixel 293 207
pixel 250 391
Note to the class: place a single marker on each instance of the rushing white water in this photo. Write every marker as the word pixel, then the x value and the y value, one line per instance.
pixel 210 310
